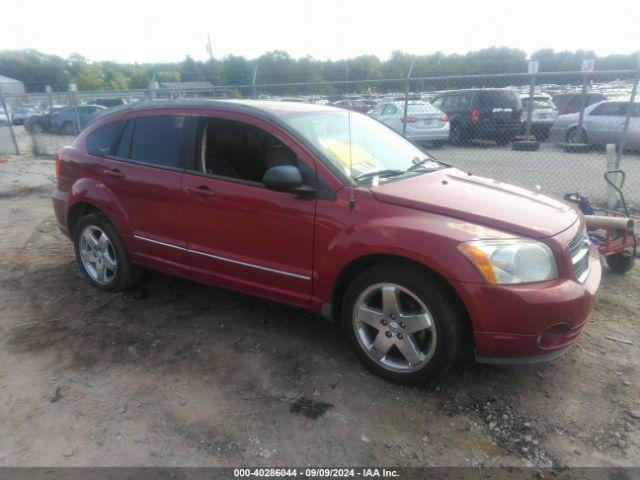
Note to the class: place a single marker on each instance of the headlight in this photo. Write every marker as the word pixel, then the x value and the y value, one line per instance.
pixel 511 261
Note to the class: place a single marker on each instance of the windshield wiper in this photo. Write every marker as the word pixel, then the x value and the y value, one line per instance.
pixel 419 163
pixel 379 173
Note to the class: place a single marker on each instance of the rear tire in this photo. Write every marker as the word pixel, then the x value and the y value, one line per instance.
pixel 457 136
pixel 68 128
pixel 403 323
pixel 621 262
pixel 102 256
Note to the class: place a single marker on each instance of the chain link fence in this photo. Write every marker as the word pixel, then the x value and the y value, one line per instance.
pixel 547 131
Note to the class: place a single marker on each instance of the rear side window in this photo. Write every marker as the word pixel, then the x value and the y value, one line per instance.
pixel 560 99
pixel 389 109
pixel 158 140
pixel 100 141
pixel 610 109
pixel 124 147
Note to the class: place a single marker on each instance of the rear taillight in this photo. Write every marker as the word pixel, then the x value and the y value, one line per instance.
pixel 444 118
pixel 475 115
pixel 58 164
pixel 410 119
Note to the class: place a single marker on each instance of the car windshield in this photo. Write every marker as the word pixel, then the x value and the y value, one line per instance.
pixel 358 145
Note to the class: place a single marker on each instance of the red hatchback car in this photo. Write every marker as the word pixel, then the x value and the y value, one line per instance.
pixel 331 211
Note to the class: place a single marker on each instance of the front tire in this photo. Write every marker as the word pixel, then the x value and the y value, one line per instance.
pixel 572 136
pixel 403 323
pixel 101 254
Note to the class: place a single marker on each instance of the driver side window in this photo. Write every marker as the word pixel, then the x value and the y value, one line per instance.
pixel 240 151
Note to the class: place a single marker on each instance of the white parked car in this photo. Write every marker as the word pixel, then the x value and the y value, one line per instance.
pixel 542 117
pixel 425 123
pixel 603 123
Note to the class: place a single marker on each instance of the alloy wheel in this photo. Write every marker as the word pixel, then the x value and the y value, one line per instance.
pixel 394 327
pixel 98 255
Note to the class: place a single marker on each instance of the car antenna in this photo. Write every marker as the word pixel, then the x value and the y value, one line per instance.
pixel 352 196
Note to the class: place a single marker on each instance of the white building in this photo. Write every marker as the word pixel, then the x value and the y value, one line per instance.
pixel 11 86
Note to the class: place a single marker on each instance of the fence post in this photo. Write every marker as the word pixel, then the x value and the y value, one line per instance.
pixel 6 112
pixel 72 99
pixel 587 67
pixel 532 87
pixel 612 194
pixel 527 143
pixel 406 97
pixel 49 96
pixel 253 82
pixel 627 117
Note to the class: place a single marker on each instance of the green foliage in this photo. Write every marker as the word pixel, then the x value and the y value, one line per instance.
pixel 37 69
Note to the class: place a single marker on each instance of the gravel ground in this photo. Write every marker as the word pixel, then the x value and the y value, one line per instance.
pixel 176 373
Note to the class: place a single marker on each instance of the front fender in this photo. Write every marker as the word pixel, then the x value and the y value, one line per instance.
pixel 425 238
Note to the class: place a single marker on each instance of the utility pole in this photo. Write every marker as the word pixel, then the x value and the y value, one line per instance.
pixel 209 49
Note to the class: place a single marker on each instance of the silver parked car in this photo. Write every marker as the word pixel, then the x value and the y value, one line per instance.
pixel 603 123
pixel 425 123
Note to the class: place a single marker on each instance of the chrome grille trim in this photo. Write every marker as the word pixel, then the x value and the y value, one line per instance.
pixel 579 252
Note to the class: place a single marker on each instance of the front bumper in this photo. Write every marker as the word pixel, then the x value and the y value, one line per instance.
pixel 513 322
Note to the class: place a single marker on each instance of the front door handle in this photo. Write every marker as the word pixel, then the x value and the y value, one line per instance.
pixel 114 172
pixel 202 190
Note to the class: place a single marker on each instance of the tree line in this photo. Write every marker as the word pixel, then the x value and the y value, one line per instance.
pixel 38 69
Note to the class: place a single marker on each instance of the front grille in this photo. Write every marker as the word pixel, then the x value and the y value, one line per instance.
pixel 579 252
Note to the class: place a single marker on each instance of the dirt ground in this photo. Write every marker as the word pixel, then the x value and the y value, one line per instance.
pixel 176 373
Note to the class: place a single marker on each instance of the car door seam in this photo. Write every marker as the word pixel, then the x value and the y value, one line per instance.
pixel 224 259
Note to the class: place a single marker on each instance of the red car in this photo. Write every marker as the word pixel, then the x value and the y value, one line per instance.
pixel 572 102
pixel 331 211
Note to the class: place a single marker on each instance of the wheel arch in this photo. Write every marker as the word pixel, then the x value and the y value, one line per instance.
pixel 78 210
pixel 356 266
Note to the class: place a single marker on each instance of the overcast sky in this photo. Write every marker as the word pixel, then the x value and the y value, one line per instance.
pixel 154 31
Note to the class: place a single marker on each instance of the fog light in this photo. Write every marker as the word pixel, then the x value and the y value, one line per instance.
pixel 554 336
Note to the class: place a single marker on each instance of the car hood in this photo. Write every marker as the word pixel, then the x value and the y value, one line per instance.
pixel 482 201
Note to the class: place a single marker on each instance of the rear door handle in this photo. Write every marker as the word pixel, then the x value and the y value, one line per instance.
pixel 114 172
pixel 202 190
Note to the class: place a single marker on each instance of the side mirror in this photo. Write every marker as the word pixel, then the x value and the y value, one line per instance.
pixel 284 177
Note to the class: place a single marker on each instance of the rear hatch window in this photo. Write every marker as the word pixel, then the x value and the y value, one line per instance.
pixel 421 108
pixel 538 103
pixel 499 99
pixel 500 105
